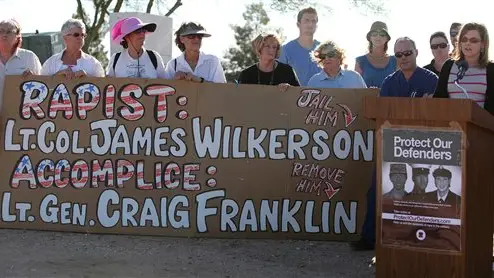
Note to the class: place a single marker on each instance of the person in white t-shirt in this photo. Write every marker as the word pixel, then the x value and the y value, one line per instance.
pixel 72 61
pixel 194 65
pixel 135 60
pixel 13 59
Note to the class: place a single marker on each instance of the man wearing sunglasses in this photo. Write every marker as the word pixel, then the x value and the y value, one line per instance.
pixel 410 80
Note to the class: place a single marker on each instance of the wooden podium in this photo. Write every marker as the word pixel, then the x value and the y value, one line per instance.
pixel 417 235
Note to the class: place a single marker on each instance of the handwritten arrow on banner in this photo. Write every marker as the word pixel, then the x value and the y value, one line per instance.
pixel 330 191
pixel 349 118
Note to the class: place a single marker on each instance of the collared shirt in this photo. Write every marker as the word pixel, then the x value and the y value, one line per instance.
pixel 300 59
pixel 141 68
pixel 21 61
pixel 420 83
pixel 442 199
pixel 208 67
pixel 344 79
pixel 87 63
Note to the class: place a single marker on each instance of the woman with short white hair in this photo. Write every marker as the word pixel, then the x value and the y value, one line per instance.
pixel 13 59
pixel 72 62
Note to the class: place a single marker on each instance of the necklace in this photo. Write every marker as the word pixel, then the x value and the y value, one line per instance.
pixel 378 58
pixel 259 74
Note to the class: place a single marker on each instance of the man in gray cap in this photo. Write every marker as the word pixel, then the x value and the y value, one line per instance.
pixel 398 176
pixel 442 179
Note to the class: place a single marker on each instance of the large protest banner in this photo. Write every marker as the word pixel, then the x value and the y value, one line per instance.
pixel 160 157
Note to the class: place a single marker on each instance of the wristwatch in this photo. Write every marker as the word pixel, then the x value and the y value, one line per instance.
pixel 202 80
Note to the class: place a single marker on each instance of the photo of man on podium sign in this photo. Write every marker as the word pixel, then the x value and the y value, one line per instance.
pixel 443 194
pixel 421 189
pixel 398 177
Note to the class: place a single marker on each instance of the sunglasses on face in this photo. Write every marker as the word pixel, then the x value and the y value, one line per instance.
pixel 453 33
pixel 194 36
pixel 404 53
pixel 328 55
pixel 378 33
pixel 442 45
pixel 76 35
pixel 471 40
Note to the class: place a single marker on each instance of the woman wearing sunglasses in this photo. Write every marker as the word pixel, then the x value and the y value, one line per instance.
pixel 440 51
pixel 376 64
pixel 134 60
pixel 14 60
pixel 330 57
pixel 467 74
pixel 193 64
pixel 268 71
pixel 72 62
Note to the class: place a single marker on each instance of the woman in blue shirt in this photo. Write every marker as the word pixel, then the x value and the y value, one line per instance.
pixel 330 58
pixel 376 65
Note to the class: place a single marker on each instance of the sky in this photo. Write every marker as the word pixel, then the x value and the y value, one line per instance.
pixel 344 24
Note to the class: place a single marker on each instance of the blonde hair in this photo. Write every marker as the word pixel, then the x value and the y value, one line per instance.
pixel 259 41
pixel 327 47
pixel 484 37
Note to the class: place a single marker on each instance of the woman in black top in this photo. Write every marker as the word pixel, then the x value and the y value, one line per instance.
pixel 268 71
pixel 440 51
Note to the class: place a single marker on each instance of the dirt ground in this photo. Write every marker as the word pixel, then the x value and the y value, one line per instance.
pixel 49 254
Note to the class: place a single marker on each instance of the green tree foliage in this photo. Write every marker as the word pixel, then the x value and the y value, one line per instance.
pixel 97 24
pixel 241 56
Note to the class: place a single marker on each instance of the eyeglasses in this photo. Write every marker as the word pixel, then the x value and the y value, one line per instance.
pixel 453 34
pixel 332 54
pixel 378 33
pixel 471 40
pixel 7 32
pixel 442 45
pixel 76 35
pixel 403 53
pixel 194 36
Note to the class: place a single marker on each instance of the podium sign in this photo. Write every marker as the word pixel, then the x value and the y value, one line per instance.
pixel 421 188
pixel 434 198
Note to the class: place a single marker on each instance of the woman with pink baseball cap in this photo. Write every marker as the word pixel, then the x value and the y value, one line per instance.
pixel 135 60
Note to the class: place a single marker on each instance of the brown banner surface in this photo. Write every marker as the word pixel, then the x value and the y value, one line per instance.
pixel 160 157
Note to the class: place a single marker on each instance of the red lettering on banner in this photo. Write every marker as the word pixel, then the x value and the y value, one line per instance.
pixel 134 109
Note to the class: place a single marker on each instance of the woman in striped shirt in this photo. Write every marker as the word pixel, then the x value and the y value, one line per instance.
pixel 466 75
